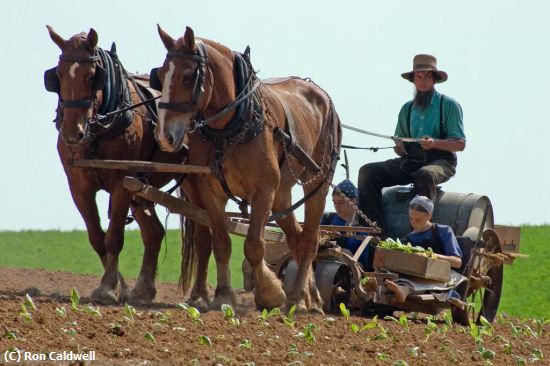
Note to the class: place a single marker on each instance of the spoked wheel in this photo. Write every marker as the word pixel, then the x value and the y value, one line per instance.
pixel 484 285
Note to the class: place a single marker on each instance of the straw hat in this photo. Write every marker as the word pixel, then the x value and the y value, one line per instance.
pixel 424 62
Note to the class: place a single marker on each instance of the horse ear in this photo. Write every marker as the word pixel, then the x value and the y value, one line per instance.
pixel 189 38
pixel 56 38
pixel 92 39
pixel 169 42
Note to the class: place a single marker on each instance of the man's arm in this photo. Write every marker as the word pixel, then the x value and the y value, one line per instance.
pixel 450 144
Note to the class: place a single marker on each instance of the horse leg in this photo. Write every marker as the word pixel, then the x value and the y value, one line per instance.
pixel 87 207
pixel 114 241
pixel 222 253
pixel 268 289
pixel 305 289
pixel 202 239
pixel 152 233
pixel 293 231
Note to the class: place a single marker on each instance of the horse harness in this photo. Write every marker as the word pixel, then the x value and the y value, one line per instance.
pixel 114 115
pixel 246 124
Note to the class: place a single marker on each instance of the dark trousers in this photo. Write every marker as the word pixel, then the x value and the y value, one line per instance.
pixel 400 171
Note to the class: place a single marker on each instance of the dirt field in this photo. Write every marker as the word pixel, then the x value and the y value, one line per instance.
pixel 166 335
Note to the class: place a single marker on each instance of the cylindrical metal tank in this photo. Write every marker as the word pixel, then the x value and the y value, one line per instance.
pixel 463 212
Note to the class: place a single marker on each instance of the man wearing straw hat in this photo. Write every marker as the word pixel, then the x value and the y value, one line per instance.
pixel 436 121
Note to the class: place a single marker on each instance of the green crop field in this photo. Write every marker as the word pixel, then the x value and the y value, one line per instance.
pixel 526 291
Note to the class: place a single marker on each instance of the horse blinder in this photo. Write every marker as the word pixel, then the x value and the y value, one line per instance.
pixel 154 80
pixel 52 84
pixel 100 78
pixel 51 81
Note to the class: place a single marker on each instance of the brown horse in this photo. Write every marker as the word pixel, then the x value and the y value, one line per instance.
pixel 89 81
pixel 236 124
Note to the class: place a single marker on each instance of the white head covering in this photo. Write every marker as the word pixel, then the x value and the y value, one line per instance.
pixel 423 202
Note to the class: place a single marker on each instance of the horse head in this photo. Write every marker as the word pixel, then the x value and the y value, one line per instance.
pixel 186 79
pixel 78 80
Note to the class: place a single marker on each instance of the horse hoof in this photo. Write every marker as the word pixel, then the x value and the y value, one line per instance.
pixel 301 308
pixel 269 300
pixel 104 297
pixel 223 296
pixel 141 295
pixel 316 309
pixel 200 303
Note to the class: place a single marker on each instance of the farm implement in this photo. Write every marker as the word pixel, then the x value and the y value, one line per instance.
pixel 471 292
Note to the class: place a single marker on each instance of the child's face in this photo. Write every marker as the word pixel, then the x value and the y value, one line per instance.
pixel 418 219
pixel 343 208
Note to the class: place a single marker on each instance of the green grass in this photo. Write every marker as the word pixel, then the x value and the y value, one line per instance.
pixel 71 251
pixel 526 291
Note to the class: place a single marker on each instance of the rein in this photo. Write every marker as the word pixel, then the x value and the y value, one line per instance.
pixel 394 138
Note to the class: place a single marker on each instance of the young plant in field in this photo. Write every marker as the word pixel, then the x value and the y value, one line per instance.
pixel 29 303
pixel 448 318
pixel 372 324
pixel 71 333
pixel 536 355
pixel 205 341
pixel 194 313
pixel 344 310
pixel 402 321
pixel 293 350
pixel 150 337
pixel 265 315
pixel 400 363
pixel 307 333
pixel 516 330
pixel 75 299
pixel 382 356
pixel 414 351
pixel 229 314
pixel 164 318
pixel 429 328
pixel 520 361
pixel 383 335
pixel 246 344
pixel 24 314
pixel 540 325
pixel 61 312
pixel 10 335
pixel 289 318
pixel 129 312
pixel 93 311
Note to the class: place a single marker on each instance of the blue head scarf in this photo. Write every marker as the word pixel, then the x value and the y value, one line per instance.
pixel 348 189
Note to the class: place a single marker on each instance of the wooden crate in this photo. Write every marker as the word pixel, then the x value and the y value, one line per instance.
pixel 412 264
pixel 509 237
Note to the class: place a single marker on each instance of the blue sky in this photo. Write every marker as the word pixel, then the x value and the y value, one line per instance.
pixel 496 53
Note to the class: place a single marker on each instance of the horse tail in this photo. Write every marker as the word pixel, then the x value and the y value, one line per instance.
pixel 188 254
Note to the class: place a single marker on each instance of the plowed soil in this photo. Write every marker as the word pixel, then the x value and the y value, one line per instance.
pixel 164 334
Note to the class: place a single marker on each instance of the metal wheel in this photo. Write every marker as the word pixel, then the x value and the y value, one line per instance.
pixel 484 285
pixel 334 282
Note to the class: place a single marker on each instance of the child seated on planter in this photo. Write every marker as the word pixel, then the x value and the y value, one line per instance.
pixel 345 216
pixel 426 234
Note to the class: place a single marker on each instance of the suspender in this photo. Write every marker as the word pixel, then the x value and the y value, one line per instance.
pixel 442 135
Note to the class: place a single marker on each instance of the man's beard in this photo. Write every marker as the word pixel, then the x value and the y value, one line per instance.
pixel 423 99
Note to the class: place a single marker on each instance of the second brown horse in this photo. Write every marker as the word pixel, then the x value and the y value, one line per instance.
pixel 235 123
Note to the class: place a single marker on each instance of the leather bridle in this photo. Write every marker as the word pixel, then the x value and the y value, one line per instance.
pixel 201 57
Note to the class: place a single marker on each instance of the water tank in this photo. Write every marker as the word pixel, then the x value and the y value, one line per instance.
pixel 463 212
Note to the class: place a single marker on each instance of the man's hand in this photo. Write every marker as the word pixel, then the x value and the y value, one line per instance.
pixel 399 148
pixel 427 143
